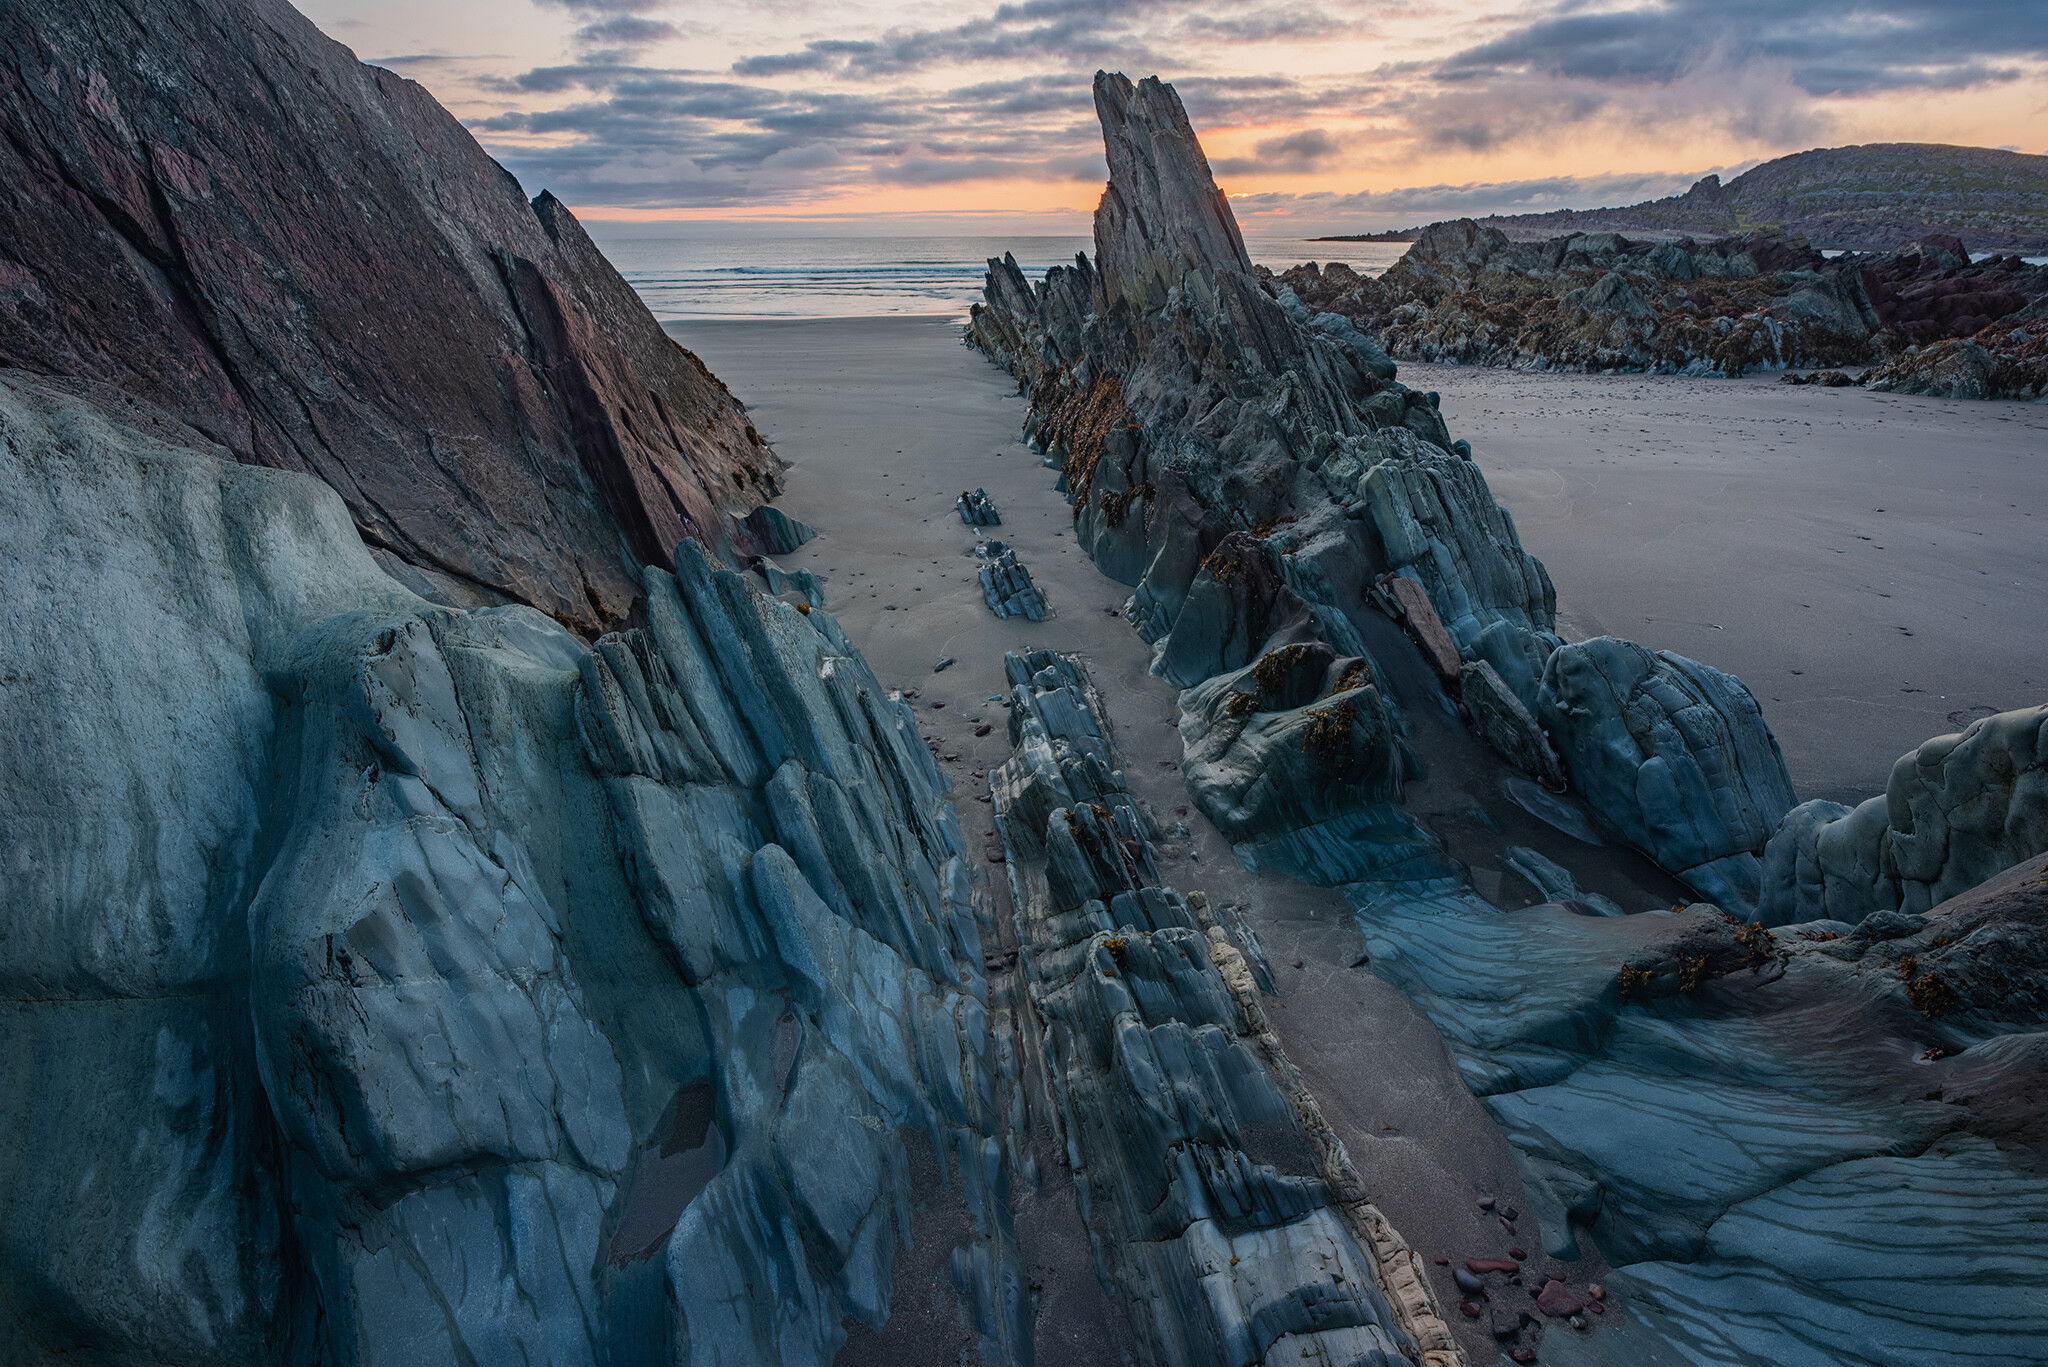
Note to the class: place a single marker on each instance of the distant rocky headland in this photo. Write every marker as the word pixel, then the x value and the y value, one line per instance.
pixel 1875 197
pixel 1923 319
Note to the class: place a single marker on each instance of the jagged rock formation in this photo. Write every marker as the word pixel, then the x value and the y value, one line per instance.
pixel 311 263
pixel 1006 585
pixel 2006 360
pixel 394 973
pixel 1466 293
pixel 1682 1086
pixel 976 510
pixel 1874 197
pixel 391 983
pixel 1691 776
pixel 770 531
pixel 1956 812
pixel 1253 468
pixel 1221 1205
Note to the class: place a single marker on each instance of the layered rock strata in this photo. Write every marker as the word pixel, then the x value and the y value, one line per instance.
pixel 1467 294
pixel 1956 812
pixel 1253 469
pixel 1006 585
pixel 218 210
pixel 1348 613
pixel 977 511
pixel 1221 1205
pixel 391 983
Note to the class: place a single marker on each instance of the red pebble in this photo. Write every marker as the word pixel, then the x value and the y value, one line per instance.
pixel 1522 1355
pixel 1468 1310
pixel 1442 1261
pixel 1482 1266
pixel 1517 1253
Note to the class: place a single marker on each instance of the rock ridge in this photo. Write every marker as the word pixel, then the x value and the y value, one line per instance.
pixel 1374 698
pixel 305 259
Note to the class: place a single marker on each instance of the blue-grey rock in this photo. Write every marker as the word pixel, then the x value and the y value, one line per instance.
pixel 388 983
pixel 977 511
pixel 1006 585
pixel 1293 739
pixel 770 531
pixel 1686 1092
pixel 1223 1209
pixel 1675 755
pixel 1957 811
pixel 1506 724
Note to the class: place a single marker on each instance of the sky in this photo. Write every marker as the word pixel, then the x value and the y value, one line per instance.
pixel 945 116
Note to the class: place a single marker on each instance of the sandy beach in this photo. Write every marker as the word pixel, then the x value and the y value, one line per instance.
pixel 1872 565
pixel 884 422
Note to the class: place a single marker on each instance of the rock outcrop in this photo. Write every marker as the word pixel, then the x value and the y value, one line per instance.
pixel 1956 812
pixel 393 983
pixel 398 968
pixel 1467 293
pixel 218 210
pixel 2006 360
pixel 1691 775
pixel 1006 585
pixel 1681 1083
pixel 1222 1206
pixel 976 510
pixel 1255 470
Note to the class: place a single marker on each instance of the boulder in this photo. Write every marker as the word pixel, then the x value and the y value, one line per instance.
pixel 1674 755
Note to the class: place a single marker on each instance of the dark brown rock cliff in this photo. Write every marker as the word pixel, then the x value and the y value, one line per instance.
pixel 213 206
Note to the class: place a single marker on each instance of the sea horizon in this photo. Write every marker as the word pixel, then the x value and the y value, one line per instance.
pixel 704 278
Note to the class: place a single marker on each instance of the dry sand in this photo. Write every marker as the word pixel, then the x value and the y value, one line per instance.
pixel 1720 519
pixel 1874 566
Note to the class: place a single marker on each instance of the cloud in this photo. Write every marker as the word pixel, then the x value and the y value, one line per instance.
pixel 1525 196
pixel 1312 149
pixel 606 6
pixel 1824 47
pixel 1077 34
pixel 946 170
pixel 625 31
pixel 1000 90
pixel 1757 70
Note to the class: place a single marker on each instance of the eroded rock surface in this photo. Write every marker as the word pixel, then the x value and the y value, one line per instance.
pixel 1793 1145
pixel 1006 585
pixel 1467 293
pixel 1956 812
pixel 1254 470
pixel 391 983
pixel 1222 1206
pixel 218 210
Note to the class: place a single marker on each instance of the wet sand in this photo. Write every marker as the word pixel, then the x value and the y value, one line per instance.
pixel 1874 566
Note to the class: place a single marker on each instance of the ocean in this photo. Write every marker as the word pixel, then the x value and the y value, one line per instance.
pixel 858 277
